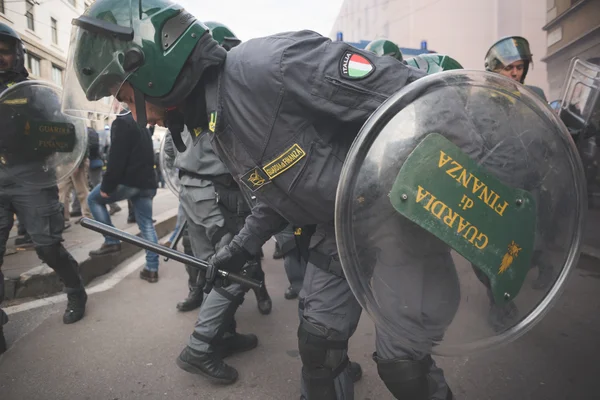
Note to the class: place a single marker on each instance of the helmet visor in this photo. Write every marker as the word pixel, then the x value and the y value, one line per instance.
pixel 101 58
pixel 507 52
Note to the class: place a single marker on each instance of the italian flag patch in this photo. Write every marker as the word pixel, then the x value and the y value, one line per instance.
pixel 355 66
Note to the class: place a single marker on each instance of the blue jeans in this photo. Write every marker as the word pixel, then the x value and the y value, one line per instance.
pixel 142 202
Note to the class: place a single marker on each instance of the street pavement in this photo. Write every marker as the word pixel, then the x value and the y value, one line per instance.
pixel 126 346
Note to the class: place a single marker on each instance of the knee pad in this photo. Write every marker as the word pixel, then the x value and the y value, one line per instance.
pixel 406 379
pixel 323 360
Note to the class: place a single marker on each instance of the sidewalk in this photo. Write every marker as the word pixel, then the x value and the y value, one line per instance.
pixel 26 276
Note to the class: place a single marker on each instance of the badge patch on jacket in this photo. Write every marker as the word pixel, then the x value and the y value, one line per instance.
pixel 284 161
pixel 212 125
pixel 355 66
pixel 255 179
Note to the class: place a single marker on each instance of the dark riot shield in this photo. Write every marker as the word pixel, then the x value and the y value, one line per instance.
pixel 459 212
pixel 39 145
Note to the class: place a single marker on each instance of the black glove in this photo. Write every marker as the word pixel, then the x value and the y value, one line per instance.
pixel 230 258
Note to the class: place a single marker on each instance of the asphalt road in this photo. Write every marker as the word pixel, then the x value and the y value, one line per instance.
pixel 126 347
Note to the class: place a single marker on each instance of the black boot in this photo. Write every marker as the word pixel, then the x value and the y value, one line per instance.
pixel 263 300
pixel 238 343
pixel 75 306
pixel 355 371
pixel 290 293
pixel 209 365
pixel 193 301
pixel 2 341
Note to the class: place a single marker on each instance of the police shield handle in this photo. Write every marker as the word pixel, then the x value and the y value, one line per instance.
pixel 165 251
pixel 453 197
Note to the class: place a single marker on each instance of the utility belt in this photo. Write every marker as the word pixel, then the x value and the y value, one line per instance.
pixel 331 264
pixel 224 180
pixel 303 236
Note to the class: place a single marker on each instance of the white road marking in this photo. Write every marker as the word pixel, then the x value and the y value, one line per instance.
pixel 109 282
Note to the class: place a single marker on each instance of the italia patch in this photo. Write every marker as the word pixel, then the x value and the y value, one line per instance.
pixel 285 161
pixel 354 66
pixel 255 179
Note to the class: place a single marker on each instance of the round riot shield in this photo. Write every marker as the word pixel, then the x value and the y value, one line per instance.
pixel 167 167
pixel 39 145
pixel 459 213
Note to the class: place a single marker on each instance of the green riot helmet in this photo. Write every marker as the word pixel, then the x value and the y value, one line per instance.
pixel 383 47
pixel 223 35
pixel 8 72
pixel 507 51
pixel 154 45
pixel 433 62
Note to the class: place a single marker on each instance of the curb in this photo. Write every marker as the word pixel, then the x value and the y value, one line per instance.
pixel 42 280
pixel 590 251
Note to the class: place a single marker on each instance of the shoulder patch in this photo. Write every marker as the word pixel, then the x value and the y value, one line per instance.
pixel 255 179
pixel 15 102
pixel 355 66
pixel 284 161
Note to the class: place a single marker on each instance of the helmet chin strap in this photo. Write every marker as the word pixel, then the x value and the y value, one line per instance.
pixel 140 108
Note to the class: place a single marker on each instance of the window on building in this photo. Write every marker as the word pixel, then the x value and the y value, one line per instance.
pixel 73 3
pixel 54 28
pixel 29 15
pixel 33 64
pixel 2 6
pixel 550 4
pixel 57 75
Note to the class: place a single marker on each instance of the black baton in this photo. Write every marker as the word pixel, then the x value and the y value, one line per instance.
pixel 165 251
pixel 178 236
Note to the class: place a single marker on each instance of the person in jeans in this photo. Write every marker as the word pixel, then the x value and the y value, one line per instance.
pixel 97 156
pixel 129 176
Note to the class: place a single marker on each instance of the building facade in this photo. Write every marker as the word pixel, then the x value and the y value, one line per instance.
pixel 463 29
pixel 573 30
pixel 45 28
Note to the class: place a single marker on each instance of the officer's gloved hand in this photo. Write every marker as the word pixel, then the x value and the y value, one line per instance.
pixel 230 258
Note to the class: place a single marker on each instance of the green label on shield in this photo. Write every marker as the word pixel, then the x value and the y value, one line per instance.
pixel 50 136
pixel 490 224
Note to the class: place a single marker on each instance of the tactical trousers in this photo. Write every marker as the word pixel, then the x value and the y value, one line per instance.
pixel 42 216
pixel 205 231
pixel 295 265
pixel 330 312
pixel 79 182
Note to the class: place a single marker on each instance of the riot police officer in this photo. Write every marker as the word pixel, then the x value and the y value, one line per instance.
pixel 511 57
pixel 215 209
pixel 38 207
pixel 282 113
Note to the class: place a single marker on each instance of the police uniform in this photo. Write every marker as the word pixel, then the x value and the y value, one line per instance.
pixel 288 149
pixel 37 207
pixel 215 209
